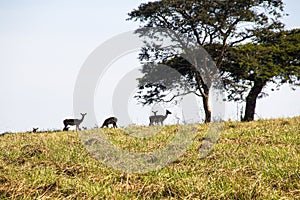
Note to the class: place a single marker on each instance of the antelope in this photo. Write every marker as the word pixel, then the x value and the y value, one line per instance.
pixel 34 130
pixel 74 122
pixel 66 129
pixel 110 120
pixel 158 118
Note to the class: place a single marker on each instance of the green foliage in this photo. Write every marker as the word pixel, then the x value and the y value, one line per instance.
pixel 209 20
pixel 256 160
pixel 207 23
pixel 274 59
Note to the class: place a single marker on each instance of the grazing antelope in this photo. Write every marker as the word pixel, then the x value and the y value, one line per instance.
pixel 110 120
pixel 66 129
pixel 74 122
pixel 158 118
pixel 34 130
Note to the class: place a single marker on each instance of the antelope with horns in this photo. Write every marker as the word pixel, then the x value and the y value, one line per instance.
pixel 158 118
pixel 74 122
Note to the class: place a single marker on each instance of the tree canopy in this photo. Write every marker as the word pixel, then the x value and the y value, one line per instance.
pixel 219 23
pixel 274 58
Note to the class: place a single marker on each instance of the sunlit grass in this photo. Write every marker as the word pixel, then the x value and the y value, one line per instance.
pixel 256 160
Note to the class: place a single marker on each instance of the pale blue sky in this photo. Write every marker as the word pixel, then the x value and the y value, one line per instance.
pixel 44 43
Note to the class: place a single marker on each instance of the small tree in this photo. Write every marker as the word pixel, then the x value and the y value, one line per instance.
pixel 273 59
pixel 206 22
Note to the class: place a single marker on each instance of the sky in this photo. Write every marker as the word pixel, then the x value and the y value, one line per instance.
pixel 43 45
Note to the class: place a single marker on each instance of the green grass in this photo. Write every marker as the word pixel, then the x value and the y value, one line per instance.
pixel 255 160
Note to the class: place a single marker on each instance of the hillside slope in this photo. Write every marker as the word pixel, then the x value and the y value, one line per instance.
pixel 255 160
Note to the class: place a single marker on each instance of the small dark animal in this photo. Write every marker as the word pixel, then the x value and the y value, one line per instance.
pixel 158 118
pixel 74 122
pixel 110 120
pixel 34 130
pixel 66 129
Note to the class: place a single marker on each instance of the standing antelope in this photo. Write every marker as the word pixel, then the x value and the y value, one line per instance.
pixel 110 120
pixel 74 122
pixel 158 118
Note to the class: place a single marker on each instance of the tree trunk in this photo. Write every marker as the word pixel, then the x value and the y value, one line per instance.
pixel 206 109
pixel 251 100
pixel 203 87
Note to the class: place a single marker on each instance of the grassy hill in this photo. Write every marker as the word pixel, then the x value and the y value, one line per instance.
pixel 256 160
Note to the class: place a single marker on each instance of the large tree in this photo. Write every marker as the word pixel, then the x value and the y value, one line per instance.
pixel 273 58
pixel 207 22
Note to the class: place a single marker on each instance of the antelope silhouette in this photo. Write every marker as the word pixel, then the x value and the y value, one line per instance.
pixel 110 120
pixel 34 130
pixel 158 118
pixel 73 122
pixel 66 129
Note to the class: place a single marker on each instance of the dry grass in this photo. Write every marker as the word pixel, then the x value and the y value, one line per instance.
pixel 256 160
